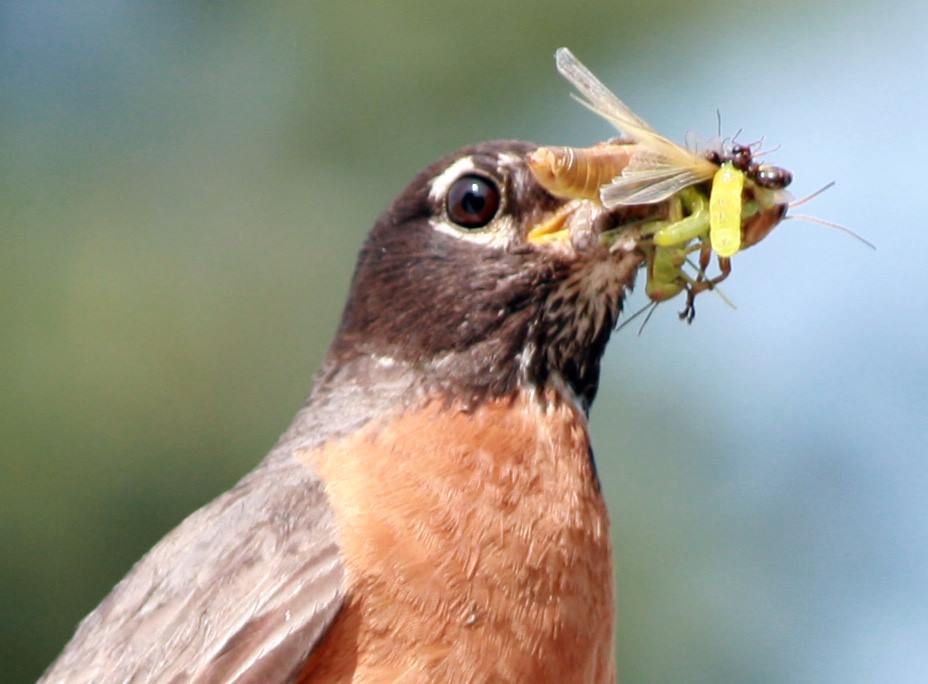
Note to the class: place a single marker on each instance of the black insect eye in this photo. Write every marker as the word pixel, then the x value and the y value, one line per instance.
pixel 773 177
pixel 473 201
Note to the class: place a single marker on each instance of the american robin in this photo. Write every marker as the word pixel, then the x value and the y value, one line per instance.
pixel 433 513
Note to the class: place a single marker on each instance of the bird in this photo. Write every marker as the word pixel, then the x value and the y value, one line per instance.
pixel 433 513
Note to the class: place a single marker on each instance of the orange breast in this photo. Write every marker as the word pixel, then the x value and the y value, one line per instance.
pixel 477 548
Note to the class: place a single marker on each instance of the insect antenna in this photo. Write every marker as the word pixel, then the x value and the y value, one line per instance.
pixel 800 202
pixel 718 120
pixel 691 140
pixel 764 153
pixel 717 290
pixel 829 224
pixel 735 136
pixel 635 315
pixel 647 318
pixel 820 221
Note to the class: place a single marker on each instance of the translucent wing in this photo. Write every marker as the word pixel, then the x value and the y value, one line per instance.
pixel 663 169
pixel 646 186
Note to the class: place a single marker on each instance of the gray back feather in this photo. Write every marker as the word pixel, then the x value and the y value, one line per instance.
pixel 243 589
pixel 239 592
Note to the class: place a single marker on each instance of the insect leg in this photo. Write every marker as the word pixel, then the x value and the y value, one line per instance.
pixel 694 225
pixel 724 272
pixel 698 286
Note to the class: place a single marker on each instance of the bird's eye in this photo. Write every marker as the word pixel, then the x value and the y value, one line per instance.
pixel 473 201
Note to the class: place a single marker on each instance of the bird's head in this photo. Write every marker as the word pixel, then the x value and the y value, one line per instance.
pixel 479 282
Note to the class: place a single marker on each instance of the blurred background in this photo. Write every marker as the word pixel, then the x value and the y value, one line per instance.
pixel 184 187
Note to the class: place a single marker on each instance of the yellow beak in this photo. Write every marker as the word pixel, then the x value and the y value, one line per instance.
pixel 552 229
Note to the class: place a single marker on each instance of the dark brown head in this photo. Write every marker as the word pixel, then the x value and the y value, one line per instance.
pixel 476 282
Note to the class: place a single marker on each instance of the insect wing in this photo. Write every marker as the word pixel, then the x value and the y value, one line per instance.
pixel 600 100
pixel 663 164
pixel 725 210
pixel 646 186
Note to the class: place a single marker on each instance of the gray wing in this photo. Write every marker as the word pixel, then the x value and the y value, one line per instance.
pixel 239 592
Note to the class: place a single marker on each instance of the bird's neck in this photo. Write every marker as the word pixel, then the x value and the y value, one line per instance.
pixel 350 394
